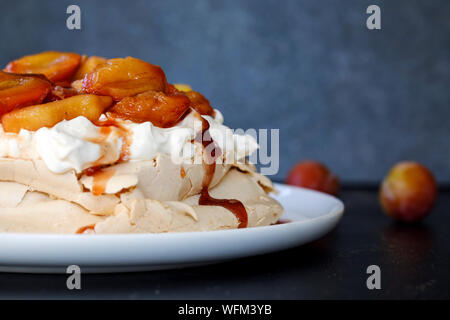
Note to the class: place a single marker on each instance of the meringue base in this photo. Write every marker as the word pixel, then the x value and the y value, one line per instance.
pixel 25 209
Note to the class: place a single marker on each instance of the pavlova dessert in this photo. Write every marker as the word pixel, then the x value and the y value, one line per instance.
pixel 90 145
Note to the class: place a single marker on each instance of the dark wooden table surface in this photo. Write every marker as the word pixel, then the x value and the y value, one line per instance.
pixel 414 262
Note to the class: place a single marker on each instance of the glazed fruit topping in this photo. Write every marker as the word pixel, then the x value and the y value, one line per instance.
pixel 198 102
pixel 56 66
pixel 157 107
pixel 47 115
pixel 40 90
pixel 18 91
pixel 88 65
pixel 124 77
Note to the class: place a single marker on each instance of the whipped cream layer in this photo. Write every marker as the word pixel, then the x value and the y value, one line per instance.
pixel 78 144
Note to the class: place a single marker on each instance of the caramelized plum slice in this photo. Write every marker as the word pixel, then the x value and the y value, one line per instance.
pixel 120 78
pixel 60 93
pixel 199 103
pixel 77 85
pixel 47 115
pixel 162 110
pixel 18 91
pixel 88 65
pixel 56 66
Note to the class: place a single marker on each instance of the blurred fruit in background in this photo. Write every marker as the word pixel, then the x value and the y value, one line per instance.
pixel 313 175
pixel 408 192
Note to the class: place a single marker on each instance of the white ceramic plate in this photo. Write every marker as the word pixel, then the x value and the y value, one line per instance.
pixel 312 215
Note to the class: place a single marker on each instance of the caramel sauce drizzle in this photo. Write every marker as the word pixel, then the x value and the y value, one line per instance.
pixel 105 130
pixel 101 178
pixel 83 229
pixel 235 206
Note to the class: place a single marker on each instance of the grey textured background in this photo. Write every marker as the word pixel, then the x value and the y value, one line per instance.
pixel 355 99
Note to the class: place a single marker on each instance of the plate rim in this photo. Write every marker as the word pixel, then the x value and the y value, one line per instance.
pixel 57 251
